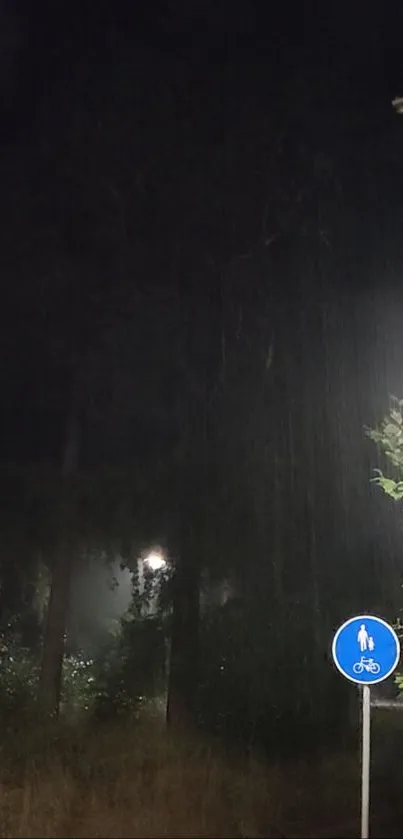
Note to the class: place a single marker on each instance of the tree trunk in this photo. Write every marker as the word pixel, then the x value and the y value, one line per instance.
pixel 183 668
pixel 193 505
pixel 50 687
pixel 55 632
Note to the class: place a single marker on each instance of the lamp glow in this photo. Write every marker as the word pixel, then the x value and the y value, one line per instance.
pixel 155 561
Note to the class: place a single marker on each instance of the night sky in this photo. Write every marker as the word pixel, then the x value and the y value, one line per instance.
pixel 166 86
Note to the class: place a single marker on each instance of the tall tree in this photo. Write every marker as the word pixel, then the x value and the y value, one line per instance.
pixel 57 612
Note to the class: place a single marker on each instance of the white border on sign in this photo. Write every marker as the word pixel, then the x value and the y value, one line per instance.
pixel 392 632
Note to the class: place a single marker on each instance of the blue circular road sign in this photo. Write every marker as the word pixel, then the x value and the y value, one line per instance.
pixel 366 650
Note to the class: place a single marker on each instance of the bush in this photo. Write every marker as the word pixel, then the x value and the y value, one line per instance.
pixel 19 677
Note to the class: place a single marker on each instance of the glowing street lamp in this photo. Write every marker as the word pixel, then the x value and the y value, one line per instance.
pixel 155 560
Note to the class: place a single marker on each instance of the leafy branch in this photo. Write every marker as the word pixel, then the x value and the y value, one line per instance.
pixel 389 438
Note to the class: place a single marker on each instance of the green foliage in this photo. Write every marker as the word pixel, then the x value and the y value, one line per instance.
pixel 79 684
pixel 399 681
pixel 19 677
pixel 389 438
pixel 132 666
pixel 390 487
pixel 128 669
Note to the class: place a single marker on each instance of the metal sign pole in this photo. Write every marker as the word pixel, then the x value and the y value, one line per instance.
pixel 366 751
pixel 366 651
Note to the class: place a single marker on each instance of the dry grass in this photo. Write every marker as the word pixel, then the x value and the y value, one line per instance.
pixel 142 782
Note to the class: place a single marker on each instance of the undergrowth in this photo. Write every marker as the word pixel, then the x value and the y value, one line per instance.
pixel 125 780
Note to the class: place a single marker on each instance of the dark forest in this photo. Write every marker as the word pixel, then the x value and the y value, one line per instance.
pixel 201 317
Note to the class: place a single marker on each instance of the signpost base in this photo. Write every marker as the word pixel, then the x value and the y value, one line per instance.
pixel 365 762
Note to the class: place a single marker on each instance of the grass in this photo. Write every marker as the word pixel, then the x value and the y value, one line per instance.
pixel 141 781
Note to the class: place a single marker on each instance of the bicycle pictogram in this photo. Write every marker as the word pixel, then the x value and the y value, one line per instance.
pixel 367 664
